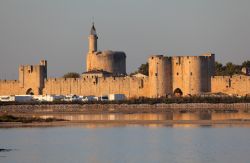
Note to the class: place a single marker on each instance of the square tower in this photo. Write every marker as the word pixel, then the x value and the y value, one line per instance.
pixel 31 77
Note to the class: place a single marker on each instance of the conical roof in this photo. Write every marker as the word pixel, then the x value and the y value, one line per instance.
pixel 93 31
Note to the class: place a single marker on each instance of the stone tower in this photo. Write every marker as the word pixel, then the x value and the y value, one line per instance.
pixel 93 40
pixel 192 74
pixel 113 62
pixel 31 77
pixel 188 75
pixel 92 47
pixel 160 80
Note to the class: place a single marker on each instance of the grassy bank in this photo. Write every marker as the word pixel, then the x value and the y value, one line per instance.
pixel 11 118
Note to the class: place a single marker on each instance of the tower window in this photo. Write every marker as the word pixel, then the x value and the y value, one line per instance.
pixel 141 84
pixel 177 73
pixel 30 69
pixel 191 73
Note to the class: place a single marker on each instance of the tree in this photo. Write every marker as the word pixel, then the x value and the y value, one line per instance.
pixel 218 68
pixel 143 69
pixel 228 69
pixel 232 69
pixel 71 75
pixel 246 64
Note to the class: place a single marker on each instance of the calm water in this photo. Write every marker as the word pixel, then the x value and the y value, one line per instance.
pixel 150 116
pixel 122 144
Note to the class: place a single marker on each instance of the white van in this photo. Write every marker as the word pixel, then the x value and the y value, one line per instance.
pixel 116 97
pixel 7 98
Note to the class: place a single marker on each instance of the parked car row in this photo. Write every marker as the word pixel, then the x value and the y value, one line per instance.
pixel 67 98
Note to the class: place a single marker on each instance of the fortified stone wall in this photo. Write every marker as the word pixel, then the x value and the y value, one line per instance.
pixel 10 87
pixel 235 85
pixel 188 74
pixel 130 86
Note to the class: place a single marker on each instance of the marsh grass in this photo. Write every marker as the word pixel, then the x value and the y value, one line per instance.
pixel 11 118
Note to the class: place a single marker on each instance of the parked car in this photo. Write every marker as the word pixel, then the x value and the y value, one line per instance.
pixel 89 98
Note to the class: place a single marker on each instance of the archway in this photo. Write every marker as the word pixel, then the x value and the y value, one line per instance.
pixel 178 92
pixel 29 92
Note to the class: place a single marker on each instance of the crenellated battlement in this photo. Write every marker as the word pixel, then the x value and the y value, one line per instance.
pixel 235 85
pixel 130 86
pixel 9 81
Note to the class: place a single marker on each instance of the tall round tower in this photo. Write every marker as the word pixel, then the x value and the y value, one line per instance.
pixel 92 47
pixel 113 62
pixel 160 76
pixel 93 40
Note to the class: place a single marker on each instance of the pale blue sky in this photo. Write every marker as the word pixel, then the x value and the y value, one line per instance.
pixel 57 30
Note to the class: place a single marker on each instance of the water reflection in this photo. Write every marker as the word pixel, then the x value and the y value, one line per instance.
pixel 126 144
pixel 151 116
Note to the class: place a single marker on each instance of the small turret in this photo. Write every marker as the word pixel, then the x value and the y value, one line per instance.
pixel 93 39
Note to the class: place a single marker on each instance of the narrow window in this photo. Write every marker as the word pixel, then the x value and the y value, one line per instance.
pixel 142 84
pixel 229 83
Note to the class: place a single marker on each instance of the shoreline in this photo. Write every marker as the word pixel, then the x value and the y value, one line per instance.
pixel 96 123
pixel 88 109
pixel 122 108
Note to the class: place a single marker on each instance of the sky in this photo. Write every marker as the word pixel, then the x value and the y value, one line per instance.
pixel 57 30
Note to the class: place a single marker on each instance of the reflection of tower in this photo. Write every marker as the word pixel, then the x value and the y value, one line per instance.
pixel 157 85
pixel 190 77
